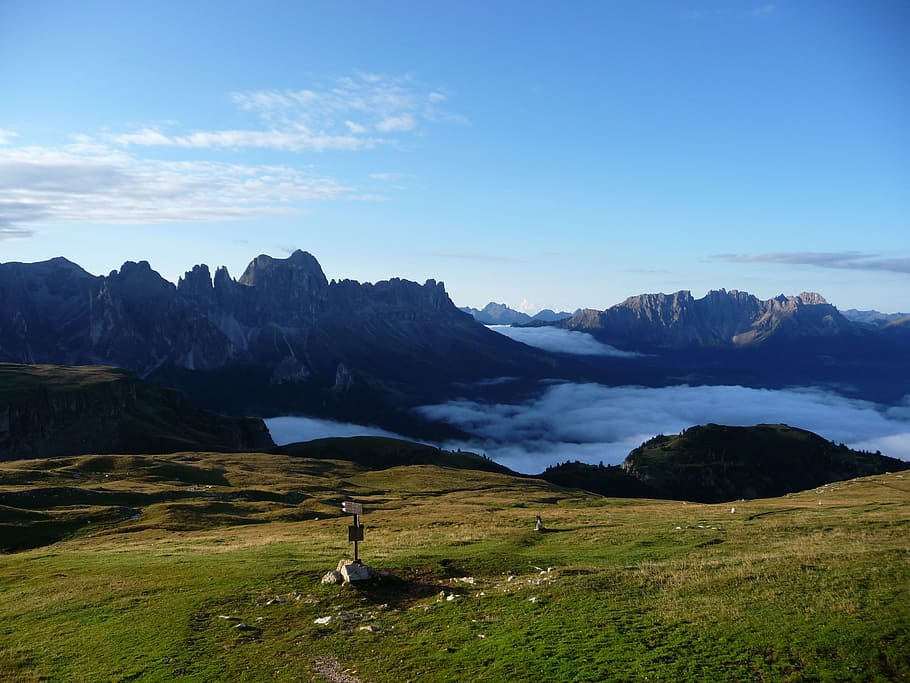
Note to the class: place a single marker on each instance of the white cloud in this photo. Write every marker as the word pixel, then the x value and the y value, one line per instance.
pixel 337 115
pixel 6 136
pixel 397 124
pixel 592 423
pixel 88 182
pixel 561 341
pixel 297 140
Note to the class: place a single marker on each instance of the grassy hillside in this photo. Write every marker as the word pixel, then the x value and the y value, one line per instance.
pixel 48 410
pixel 808 586
pixel 376 452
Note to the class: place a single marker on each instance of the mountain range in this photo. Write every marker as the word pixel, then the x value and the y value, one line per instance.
pixel 282 339
pixel 719 319
pixel 501 314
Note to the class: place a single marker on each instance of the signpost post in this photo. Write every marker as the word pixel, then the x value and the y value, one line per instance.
pixel 355 531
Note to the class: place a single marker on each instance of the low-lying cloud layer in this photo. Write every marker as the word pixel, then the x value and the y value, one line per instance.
pixel 561 341
pixel 286 430
pixel 594 423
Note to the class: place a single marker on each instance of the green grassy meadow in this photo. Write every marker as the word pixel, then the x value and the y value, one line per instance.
pixel 152 562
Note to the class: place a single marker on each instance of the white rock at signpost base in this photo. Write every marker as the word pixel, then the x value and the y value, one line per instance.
pixel 356 572
pixel 332 577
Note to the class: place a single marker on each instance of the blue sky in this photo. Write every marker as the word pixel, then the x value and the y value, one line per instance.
pixel 539 154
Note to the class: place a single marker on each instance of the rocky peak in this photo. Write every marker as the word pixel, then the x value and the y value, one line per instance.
pixel 136 282
pixel 812 299
pixel 196 283
pixel 300 268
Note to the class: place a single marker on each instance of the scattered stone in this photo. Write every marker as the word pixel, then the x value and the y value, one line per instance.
pixel 532 599
pixel 228 616
pixel 470 580
pixel 732 510
pixel 511 578
pixel 450 597
pixel 481 635
pixel 369 628
pixel 241 627
pixel 276 601
pixel 330 669
pixel 347 616
pixel 322 621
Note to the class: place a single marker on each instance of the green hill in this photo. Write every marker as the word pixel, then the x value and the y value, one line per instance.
pixel 712 463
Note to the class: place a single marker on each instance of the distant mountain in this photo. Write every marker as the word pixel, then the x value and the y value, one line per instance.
pixel 281 339
pixel 501 314
pixel 549 315
pixel 48 410
pixel 713 463
pixel 720 319
pixel 874 318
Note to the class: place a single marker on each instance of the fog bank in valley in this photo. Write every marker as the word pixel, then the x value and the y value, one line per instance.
pixel 595 423
pixel 558 340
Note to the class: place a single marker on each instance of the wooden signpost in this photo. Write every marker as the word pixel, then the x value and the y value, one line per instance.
pixel 355 531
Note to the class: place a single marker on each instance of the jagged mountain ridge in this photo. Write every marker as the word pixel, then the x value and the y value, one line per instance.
pixel 281 322
pixel 720 319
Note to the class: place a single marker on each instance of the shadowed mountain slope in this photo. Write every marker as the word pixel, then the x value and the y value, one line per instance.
pixel 53 410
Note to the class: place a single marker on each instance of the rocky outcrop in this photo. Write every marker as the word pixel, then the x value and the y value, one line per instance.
pixel 54 410
pixel 720 319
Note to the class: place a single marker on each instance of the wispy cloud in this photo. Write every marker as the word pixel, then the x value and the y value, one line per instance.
pixel 298 139
pixel 591 422
pixel 847 260
pixel 110 178
pixel 88 182
pixel 347 114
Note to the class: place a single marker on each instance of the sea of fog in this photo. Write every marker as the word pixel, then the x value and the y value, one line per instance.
pixel 595 423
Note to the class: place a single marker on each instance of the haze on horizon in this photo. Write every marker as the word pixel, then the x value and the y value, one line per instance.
pixel 541 156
